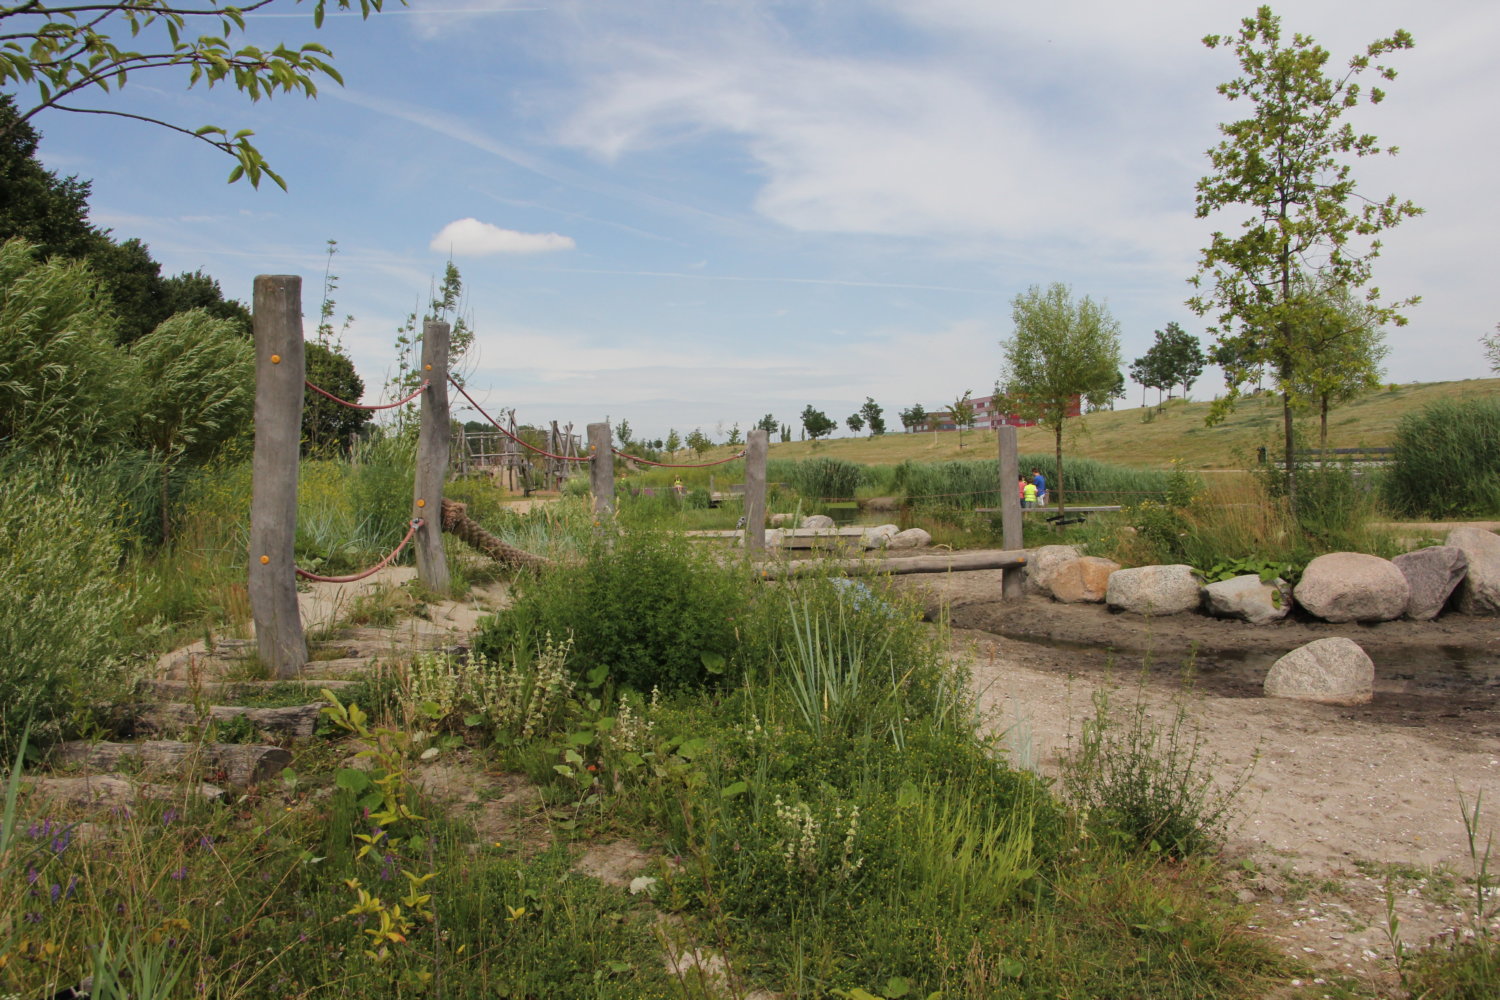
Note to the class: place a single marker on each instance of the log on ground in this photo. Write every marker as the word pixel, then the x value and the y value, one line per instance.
pixel 239 764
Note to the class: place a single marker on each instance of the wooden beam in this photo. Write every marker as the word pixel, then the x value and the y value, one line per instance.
pixel 432 459
pixel 279 375
pixel 757 444
pixel 956 562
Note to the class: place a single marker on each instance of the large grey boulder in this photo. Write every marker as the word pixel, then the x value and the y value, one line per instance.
pixel 1042 563
pixel 1479 594
pixel 1153 590
pixel 1332 671
pixel 1247 599
pixel 1353 587
pixel 911 538
pixel 817 521
pixel 1432 574
pixel 879 536
pixel 1084 580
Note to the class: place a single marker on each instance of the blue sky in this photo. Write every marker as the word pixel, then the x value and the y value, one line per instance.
pixel 689 214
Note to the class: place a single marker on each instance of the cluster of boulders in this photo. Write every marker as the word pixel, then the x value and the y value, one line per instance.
pixel 880 536
pixel 1339 587
pixel 1463 574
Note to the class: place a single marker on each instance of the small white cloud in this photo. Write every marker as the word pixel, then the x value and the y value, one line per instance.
pixel 472 237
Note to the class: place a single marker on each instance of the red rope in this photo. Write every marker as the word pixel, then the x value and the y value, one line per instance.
pixel 668 465
pixel 415 524
pixel 358 406
pixel 502 430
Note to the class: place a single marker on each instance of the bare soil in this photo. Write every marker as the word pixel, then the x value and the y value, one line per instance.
pixel 1342 808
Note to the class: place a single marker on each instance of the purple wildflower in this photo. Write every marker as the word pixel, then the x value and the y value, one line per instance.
pixel 206 842
pixel 33 918
pixel 55 891
pixel 180 873
pixel 169 817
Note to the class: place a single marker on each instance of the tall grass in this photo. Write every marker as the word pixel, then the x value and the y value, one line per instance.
pixel 63 635
pixel 966 485
pixel 1447 460
pixel 817 479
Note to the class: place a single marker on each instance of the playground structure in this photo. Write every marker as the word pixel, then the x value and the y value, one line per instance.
pixel 280 383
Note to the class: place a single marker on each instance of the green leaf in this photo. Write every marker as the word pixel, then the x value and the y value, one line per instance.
pixel 692 748
pixel 907 795
pixel 897 987
pixel 352 779
pixel 731 790
pixel 473 721
pixel 712 662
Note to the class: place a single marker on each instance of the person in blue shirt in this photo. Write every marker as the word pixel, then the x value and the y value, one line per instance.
pixel 1041 487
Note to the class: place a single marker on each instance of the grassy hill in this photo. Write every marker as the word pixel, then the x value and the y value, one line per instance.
pixel 1176 431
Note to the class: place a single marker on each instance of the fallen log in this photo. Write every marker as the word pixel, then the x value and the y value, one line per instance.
pixel 237 690
pixel 173 717
pixel 238 764
pixel 456 522
pixel 110 790
pixel 948 563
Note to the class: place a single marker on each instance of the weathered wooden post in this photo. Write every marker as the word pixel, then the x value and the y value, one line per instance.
pixel 757 443
pixel 432 459
pixel 601 471
pixel 279 374
pixel 1013 578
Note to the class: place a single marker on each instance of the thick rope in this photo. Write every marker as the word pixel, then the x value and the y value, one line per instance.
pixel 415 524
pixel 360 406
pixel 669 465
pixel 502 430
pixel 456 522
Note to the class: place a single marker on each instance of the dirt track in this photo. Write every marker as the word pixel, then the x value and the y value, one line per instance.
pixel 1339 803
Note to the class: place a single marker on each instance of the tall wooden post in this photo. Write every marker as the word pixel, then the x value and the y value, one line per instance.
pixel 1013 578
pixel 432 459
pixel 279 374
pixel 757 443
pixel 601 471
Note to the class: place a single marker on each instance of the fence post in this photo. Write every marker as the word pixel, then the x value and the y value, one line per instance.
pixel 601 470
pixel 757 443
pixel 279 374
pixel 1013 578
pixel 432 459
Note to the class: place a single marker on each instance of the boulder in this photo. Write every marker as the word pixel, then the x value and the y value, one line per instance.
pixel 911 538
pixel 879 536
pixel 1084 580
pixel 1247 599
pixel 1353 587
pixel 783 520
pixel 1479 594
pixel 1153 590
pixel 817 521
pixel 1042 563
pixel 1331 671
pixel 1432 574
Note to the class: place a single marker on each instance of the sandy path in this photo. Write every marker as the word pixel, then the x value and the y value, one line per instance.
pixel 1340 805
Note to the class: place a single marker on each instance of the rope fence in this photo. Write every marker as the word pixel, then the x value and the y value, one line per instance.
pixel 355 577
pixel 361 406
pixel 517 439
pixel 669 465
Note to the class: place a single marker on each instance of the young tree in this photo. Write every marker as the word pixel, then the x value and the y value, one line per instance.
pixel 856 422
pixel 786 433
pixel 66 52
pixel 1062 352
pixel 874 416
pixel 735 438
pixel 913 416
pixel 1176 358
pixel 622 431
pixel 1344 348
pixel 1290 164
pixel 699 441
pixel 963 414
pixel 1147 370
pixel 768 424
pixel 816 423
pixel 1491 345
pixel 673 440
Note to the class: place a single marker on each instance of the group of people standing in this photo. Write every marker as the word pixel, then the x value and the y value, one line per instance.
pixel 1033 490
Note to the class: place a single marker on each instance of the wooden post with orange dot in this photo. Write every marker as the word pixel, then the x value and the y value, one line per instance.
pixel 433 435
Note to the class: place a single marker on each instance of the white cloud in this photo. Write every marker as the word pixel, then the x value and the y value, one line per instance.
pixel 470 237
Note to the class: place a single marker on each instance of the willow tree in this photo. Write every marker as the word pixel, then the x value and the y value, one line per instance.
pixel 1064 353
pixel 1290 163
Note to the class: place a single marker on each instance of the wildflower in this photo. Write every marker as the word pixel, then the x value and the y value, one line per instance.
pixel 169 817
pixel 206 842
pixel 55 891
pixel 34 918
pixel 180 873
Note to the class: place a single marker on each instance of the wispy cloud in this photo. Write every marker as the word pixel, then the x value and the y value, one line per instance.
pixel 470 237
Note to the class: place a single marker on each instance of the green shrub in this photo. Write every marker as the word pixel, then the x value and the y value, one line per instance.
pixel 965 485
pixel 62 622
pixel 1147 786
pixel 645 605
pixel 381 489
pixel 1447 460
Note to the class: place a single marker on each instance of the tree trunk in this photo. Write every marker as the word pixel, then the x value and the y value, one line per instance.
pixel 1290 445
pixel 1057 483
pixel 1323 425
